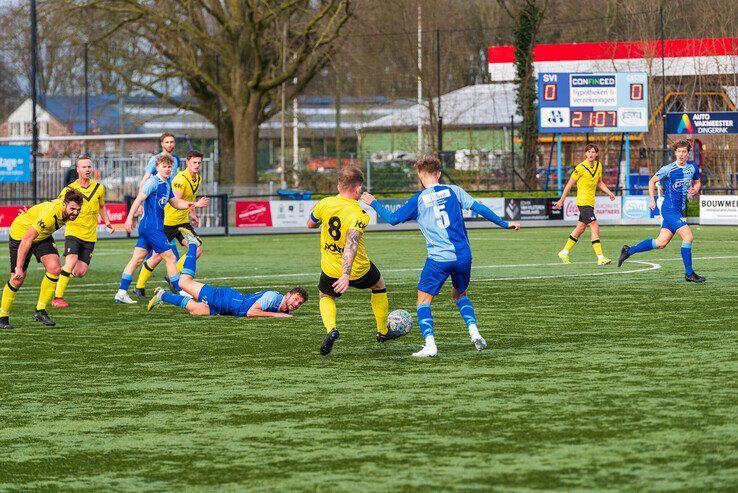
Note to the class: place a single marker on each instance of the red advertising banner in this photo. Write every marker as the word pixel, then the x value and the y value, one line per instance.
pixel 116 213
pixel 9 212
pixel 252 214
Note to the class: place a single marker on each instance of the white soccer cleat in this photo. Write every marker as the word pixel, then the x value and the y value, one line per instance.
pixel 189 237
pixel 156 299
pixel 426 352
pixel 124 298
pixel 479 343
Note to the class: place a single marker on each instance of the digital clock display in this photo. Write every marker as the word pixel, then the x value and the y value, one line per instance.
pixel 597 119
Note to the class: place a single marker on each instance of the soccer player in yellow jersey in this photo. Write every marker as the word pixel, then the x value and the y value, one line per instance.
pixel 588 177
pixel 343 260
pixel 186 186
pixel 30 235
pixel 81 234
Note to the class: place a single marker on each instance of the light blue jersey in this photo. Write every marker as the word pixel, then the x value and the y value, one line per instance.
pixel 676 182
pixel 158 192
pixel 438 210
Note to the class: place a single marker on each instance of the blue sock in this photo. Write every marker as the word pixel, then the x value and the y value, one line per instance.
pixel 425 320
pixel 125 281
pixel 190 263
pixel 687 258
pixel 643 246
pixel 175 281
pixel 175 299
pixel 467 310
pixel 173 244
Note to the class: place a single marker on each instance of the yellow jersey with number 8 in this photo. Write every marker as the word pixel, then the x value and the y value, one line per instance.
pixel 338 215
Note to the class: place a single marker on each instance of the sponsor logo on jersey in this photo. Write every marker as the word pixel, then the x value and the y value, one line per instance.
pixel 332 247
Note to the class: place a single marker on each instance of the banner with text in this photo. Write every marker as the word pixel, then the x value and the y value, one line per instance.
pixel 605 208
pixel 719 209
pixel 15 164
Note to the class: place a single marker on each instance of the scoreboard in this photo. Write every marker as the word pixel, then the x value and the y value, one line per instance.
pixel 592 103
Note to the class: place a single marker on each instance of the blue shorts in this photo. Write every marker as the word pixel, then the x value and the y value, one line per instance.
pixel 435 273
pixel 672 220
pixel 222 301
pixel 154 240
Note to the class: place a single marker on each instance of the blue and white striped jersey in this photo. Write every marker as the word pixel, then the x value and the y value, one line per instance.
pixel 676 181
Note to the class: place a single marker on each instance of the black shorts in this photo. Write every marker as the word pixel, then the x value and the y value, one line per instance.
pixel 82 249
pixel 43 247
pixel 173 232
pixel 586 214
pixel 366 281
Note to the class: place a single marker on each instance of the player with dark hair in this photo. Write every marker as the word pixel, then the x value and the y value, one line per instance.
pixel 438 210
pixel 588 177
pixel 204 299
pixel 681 180
pixel 344 262
pixel 31 235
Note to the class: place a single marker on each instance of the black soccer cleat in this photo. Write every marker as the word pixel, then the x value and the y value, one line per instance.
pixel 388 336
pixel 171 285
pixel 140 293
pixel 694 277
pixel 327 345
pixel 623 255
pixel 44 318
pixel 5 323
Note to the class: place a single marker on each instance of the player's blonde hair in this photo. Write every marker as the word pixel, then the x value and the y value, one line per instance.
pixel 349 177
pixel 161 159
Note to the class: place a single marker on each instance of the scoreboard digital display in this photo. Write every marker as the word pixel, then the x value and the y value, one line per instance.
pixel 592 103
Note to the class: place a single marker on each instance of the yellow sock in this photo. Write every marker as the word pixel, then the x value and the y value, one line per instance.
pixel 380 307
pixel 597 247
pixel 61 285
pixel 48 286
pixel 144 275
pixel 8 298
pixel 180 263
pixel 328 312
pixel 570 243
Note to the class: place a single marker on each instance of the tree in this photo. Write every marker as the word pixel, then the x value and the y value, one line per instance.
pixel 223 60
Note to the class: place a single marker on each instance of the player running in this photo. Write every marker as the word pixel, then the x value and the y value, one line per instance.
pixel 30 235
pixel 681 180
pixel 343 260
pixel 81 234
pixel 588 177
pixel 185 186
pixel 203 299
pixel 438 210
pixel 154 195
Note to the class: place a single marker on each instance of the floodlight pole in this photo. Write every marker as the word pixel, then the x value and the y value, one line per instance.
pixel 34 97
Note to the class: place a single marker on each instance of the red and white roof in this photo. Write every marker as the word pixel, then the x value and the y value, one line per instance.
pixel 711 56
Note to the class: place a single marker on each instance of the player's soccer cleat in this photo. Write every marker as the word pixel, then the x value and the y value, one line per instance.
pixel 564 258
pixel 327 345
pixel 124 298
pixel 604 261
pixel 479 343
pixel 388 336
pixel 44 318
pixel 623 255
pixel 156 299
pixel 5 323
pixel 694 277
pixel 59 303
pixel 140 293
pixel 189 237
pixel 426 352
pixel 171 285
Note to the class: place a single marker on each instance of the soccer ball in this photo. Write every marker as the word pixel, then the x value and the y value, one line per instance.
pixel 399 323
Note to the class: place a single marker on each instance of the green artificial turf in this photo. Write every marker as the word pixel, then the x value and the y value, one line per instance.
pixel 596 378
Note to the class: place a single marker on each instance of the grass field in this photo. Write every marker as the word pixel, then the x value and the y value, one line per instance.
pixel 596 378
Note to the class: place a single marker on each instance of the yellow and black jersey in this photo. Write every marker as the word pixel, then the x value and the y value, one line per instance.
pixel 45 218
pixel 587 177
pixel 189 186
pixel 338 215
pixel 85 226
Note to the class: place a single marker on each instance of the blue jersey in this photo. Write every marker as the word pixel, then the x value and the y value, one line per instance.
pixel 439 212
pixel 676 181
pixel 231 302
pixel 158 192
pixel 151 165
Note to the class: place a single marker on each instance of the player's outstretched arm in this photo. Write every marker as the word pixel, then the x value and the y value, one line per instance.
pixel 134 208
pixel 181 204
pixel 489 215
pixel 652 191
pixel 601 185
pixel 256 311
pixel 560 203
pixel 407 212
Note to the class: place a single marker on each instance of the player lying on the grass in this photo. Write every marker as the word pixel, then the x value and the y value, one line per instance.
pixel 184 186
pixel 203 299
pixel 31 235
pixel 681 179
pixel 588 177
pixel 438 210
pixel 154 194
pixel 80 235
pixel 344 262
